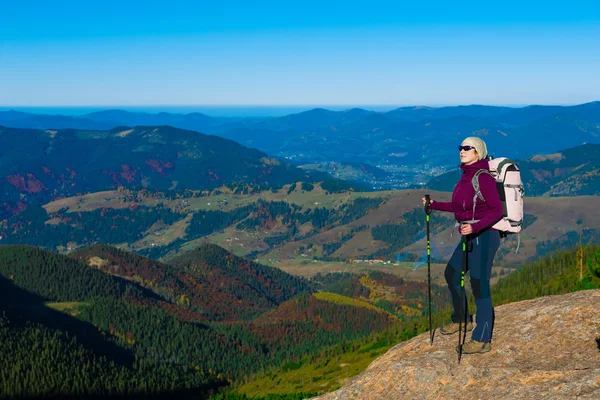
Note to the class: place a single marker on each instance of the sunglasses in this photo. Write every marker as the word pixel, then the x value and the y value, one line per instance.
pixel 465 148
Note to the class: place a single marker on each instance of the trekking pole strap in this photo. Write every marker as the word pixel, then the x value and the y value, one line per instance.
pixel 471 221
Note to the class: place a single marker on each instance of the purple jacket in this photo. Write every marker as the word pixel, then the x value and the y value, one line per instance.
pixel 488 212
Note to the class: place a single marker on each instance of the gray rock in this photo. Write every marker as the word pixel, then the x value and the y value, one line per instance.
pixel 544 348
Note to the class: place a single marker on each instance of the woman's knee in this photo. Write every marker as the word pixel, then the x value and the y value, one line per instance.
pixel 448 274
pixel 452 275
pixel 481 288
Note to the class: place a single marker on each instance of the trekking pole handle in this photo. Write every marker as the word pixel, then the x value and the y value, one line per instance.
pixel 427 206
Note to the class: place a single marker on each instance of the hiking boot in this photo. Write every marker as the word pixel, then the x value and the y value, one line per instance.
pixel 475 347
pixel 453 328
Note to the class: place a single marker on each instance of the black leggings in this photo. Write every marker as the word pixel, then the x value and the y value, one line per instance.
pixel 482 249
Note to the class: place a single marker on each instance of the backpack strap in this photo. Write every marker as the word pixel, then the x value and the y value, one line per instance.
pixel 475 182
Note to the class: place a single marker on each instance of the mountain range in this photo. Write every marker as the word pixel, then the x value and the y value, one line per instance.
pixel 417 138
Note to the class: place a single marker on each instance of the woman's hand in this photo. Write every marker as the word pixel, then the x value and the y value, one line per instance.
pixel 425 201
pixel 466 229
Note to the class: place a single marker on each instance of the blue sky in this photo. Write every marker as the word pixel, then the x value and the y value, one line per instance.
pixel 135 53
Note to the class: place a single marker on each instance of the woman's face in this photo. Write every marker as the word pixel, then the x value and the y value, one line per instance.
pixel 468 154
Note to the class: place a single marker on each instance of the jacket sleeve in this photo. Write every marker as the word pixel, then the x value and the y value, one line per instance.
pixel 441 206
pixel 487 185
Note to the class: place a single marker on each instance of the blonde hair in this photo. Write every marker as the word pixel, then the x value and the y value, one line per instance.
pixel 479 145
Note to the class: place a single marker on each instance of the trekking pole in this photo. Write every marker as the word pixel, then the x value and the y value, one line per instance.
pixel 427 213
pixel 464 311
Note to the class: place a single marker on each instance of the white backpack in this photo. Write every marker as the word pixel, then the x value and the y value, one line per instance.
pixel 511 190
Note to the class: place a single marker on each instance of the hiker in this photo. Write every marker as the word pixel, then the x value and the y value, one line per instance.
pixel 475 221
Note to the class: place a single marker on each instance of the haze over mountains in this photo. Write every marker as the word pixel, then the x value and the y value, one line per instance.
pixel 407 142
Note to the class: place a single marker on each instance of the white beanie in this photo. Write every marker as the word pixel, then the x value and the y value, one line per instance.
pixel 479 145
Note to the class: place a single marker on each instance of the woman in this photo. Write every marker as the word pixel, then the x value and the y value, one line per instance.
pixel 482 242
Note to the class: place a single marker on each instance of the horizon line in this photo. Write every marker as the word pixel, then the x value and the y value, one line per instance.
pixel 356 105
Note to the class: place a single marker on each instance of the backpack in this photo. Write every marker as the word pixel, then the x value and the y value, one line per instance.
pixel 511 190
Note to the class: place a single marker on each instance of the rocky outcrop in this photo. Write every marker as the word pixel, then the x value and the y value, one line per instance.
pixel 546 348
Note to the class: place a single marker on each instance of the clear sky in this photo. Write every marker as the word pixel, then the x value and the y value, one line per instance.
pixel 134 53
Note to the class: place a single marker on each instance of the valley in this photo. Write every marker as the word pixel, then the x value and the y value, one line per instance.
pixel 269 232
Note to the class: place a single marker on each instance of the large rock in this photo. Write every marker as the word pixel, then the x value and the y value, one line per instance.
pixel 546 348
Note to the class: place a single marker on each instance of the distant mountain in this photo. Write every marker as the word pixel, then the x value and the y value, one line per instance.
pixel 42 165
pixel 411 141
pixel 571 172
pixel 14 115
pixel 429 113
pixel 529 114
pixel 304 135
pixel 194 121
pixel 315 119
pixel 16 119
pixel 418 135
pixel 109 119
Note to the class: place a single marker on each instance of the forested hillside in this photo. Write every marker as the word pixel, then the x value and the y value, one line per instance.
pixel 46 351
pixel 142 326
